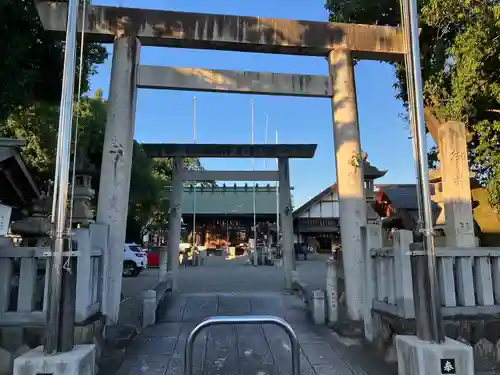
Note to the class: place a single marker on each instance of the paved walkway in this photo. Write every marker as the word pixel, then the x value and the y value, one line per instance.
pixel 231 288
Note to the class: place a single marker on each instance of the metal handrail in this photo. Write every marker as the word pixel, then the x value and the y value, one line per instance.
pixel 245 319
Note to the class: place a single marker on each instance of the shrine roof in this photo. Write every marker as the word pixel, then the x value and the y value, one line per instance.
pixel 229 200
pixel 403 196
pixel 17 187
pixel 207 150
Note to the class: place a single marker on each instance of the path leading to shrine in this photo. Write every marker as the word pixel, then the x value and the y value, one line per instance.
pixel 232 288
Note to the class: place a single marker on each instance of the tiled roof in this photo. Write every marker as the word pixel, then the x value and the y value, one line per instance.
pixel 403 196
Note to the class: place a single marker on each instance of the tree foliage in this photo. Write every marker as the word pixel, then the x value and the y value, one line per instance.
pixel 32 60
pixel 30 92
pixel 37 124
pixel 460 49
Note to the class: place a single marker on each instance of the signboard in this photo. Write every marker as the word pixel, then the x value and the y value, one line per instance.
pixel 448 366
pixel 5 212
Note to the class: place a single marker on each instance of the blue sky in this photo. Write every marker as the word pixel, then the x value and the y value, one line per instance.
pixel 167 116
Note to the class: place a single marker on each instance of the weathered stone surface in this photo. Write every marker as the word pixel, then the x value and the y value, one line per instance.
pixel 492 330
pixel 391 355
pixel 162 150
pixel 225 32
pixel 233 81
pixel 451 330
pixel 11 338
pixel 6 362
pixel 482 334
pixel 21 350
pixel 485 349
pixel 84 334
pixel 119 336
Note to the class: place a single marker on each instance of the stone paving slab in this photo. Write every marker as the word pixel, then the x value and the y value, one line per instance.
pixel 238 350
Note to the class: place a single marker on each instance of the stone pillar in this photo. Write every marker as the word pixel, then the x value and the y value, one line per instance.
pixel 459 222
pixel 331 291
pixel 350 185
pixel 286 220
pixel 174 219
pixel 163 263
pixel 116 167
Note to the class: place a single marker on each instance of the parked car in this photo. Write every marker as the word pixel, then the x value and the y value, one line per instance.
pixel 134 260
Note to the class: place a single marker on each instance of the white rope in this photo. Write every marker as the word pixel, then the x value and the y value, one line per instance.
pixel 75 147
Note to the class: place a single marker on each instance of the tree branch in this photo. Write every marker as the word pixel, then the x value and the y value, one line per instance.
pixel 432 124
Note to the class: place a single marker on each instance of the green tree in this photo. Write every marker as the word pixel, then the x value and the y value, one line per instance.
pixel 37 124
pixel 460 49
pixel 31 71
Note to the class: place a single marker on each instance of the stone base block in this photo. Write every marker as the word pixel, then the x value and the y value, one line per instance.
pixel 149 305
pixel 79 361
pixel 318 307
pixel 416 357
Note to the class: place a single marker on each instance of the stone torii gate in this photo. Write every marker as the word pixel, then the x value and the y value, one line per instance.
pixel 180 151
pixel 130 28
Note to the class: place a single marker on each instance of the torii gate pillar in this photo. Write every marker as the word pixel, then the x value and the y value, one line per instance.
pixel 174 219
pixel 116 167
pixel 350 184
pixel 286 220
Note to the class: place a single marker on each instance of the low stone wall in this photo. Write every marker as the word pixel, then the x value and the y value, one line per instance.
pixel 15 341
pixel 314 300
pixel 482 333
pixel 110 341
pixel 153 298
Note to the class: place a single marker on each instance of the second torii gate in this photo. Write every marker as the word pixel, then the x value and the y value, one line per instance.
pixel 282 152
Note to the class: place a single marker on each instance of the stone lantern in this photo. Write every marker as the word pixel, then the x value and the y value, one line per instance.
pixel 370 174
pixel 83 214
pixel 35 227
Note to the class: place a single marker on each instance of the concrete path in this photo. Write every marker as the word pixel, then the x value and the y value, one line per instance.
pixel 232 288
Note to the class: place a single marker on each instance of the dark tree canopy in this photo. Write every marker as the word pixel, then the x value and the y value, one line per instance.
pixel 460 49
pixel 37 124
pixel 32 60
pixel 31 70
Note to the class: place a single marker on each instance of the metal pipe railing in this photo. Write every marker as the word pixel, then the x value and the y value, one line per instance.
pixel 245 319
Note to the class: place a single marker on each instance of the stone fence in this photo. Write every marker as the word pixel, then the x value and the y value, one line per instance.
pixel 24 279
pixel 469 279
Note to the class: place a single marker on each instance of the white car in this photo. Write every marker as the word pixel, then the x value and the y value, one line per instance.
pixel 134 260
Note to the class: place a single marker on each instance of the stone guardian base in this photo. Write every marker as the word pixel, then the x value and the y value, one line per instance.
pixel 79 361
pixel 416 357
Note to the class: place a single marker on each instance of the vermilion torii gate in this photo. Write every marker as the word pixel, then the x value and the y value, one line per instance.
pixel 180 151
pixel 130 28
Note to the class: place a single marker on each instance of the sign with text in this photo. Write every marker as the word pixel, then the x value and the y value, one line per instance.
pixel 5 212
pixel 448 366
